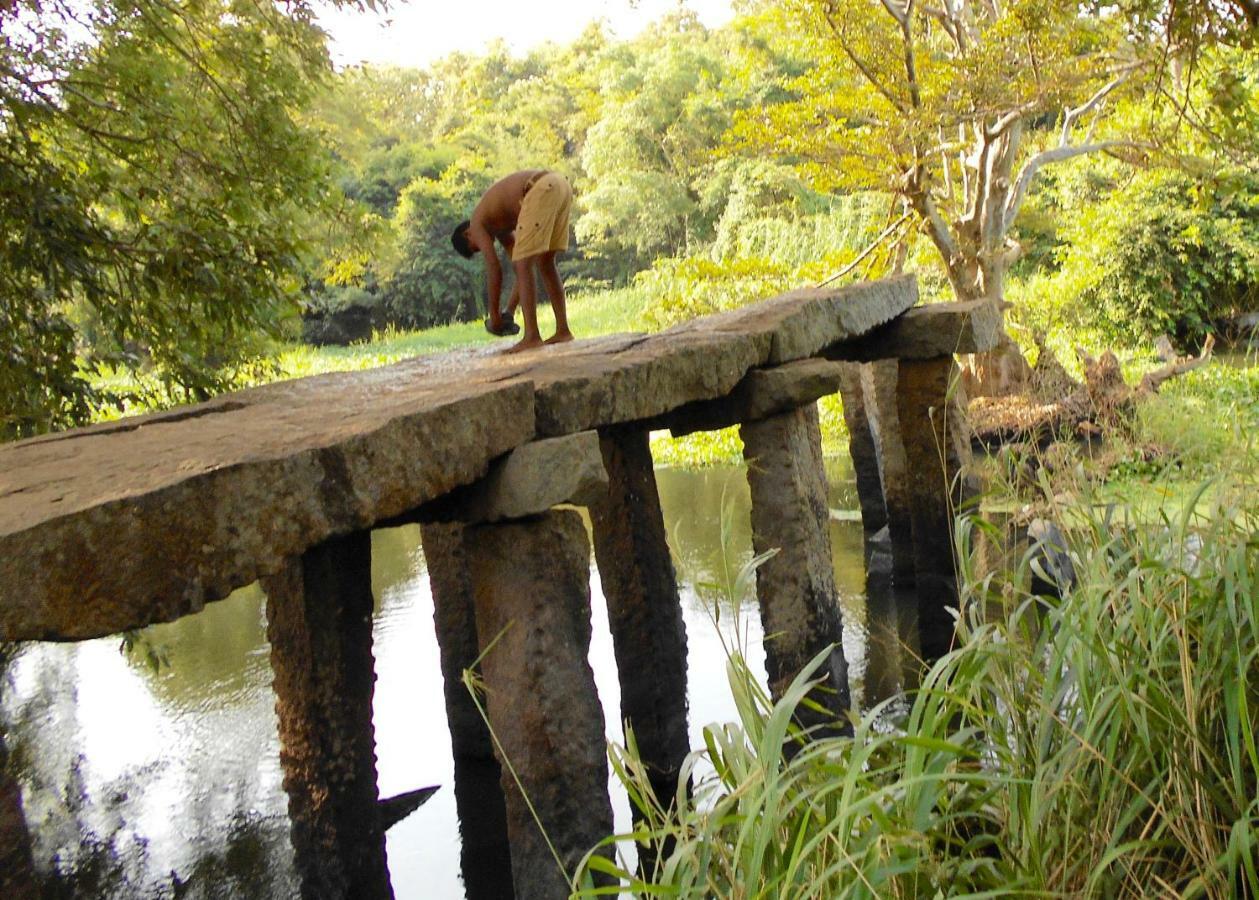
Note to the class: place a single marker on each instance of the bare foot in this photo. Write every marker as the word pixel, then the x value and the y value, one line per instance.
pixel 524 344
pixel 560 337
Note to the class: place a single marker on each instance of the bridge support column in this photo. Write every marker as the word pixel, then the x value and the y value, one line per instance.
pixel 937 451
pixel 319 624
pixel 455 621
pixel 531 582
pixel 796 587
pixel 644 610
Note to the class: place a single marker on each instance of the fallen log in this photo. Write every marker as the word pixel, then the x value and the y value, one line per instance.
pixel 1057 406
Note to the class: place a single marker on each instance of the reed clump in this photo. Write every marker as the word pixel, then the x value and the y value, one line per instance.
pixel 1101 744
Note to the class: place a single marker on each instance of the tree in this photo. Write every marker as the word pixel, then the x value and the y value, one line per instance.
pixel 955 108
pixel 433 285
pixel 158 185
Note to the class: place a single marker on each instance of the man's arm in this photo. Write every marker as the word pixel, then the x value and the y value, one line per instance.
pixel 508 243
pixel 493 271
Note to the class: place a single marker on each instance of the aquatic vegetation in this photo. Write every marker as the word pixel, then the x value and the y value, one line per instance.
pixel 1103 744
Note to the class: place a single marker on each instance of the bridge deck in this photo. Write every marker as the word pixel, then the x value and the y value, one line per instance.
pixel 146 519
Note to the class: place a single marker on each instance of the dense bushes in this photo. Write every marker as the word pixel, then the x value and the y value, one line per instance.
pixel 1160 254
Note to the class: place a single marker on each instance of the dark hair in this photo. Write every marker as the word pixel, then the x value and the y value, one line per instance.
pixel 459 238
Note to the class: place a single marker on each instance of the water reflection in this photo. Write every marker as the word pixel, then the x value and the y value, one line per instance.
pixel 136 783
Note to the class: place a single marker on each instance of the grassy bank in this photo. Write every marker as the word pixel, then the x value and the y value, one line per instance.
pixel 1099 745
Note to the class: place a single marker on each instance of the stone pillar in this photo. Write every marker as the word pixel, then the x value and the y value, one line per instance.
pixel 863 449
pixel 644 611
pixel 319 624
pixel 455 622
pixel 796 587
pixel 879 394
pixel 937 449
pixel 531 584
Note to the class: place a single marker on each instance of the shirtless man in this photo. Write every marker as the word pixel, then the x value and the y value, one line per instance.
pixel 527 212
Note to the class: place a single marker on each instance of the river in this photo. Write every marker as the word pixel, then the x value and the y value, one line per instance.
pixel 143 783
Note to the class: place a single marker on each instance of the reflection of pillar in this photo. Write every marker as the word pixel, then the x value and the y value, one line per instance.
pixel 455 622
pixel 531 581
pixel 319 623
pixel 17 869
pixel 937 447
pixel 863 449
pixel 484 854
pixel 796 587
pixel 644 611
pixel 878 386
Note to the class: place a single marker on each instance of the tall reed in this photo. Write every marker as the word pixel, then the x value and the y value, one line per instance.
pixel 1099 745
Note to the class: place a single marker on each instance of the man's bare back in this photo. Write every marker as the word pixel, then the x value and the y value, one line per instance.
pixel 499 208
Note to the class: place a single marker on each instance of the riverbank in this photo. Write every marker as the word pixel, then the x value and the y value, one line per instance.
pixel 1102 744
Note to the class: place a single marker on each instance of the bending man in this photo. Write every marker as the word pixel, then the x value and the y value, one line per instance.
pixel 526 212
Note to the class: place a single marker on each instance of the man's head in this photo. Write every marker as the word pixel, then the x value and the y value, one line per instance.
pixel 459 238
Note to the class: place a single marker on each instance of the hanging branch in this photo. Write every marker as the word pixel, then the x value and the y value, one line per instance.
pixel 883 235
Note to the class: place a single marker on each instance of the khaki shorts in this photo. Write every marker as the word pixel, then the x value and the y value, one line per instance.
pixel 543 222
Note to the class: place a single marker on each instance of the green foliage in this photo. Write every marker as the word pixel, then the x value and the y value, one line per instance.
pixel 432 284
pixel 1092 746
pixel 1140 255
pixel 1165 255
pixel 685 288
pixel 157 190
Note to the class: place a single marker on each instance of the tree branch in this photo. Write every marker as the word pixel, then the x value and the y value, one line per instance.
pixel 838 31
pixel 1057 154
pixel 864 253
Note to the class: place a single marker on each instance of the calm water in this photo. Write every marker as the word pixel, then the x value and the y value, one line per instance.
pixel 143 784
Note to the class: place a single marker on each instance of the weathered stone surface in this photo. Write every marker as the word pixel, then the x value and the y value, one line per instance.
pixel 802 323
pixel 531 583
pixel 940 329
pixel 761 393
pixel 878 387
pixel 937 453
pixel 319 625
pixel 644 611
pixel 530 480
pixel 654 375
pixel 796 587
pixel 454 618
pixel 146 519
pixel 863 449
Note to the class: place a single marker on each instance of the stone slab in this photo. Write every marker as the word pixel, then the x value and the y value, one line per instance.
pixel 644 610
pixel 528 481
pixel 762 393
pixel 795 588
pixel 940 329
pixel 533 625
pixel 319 627
pixel 805 322
pixel 147 519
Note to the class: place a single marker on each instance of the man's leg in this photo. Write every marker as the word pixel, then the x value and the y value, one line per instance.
pixel 555 290
pixel 528 305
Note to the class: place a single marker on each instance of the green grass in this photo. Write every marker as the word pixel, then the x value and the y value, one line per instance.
pixel 589 315
pixel 1100 745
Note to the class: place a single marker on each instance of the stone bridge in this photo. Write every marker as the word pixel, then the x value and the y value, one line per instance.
pixel 147 519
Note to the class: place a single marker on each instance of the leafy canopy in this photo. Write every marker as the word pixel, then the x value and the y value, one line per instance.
pixel 158 185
